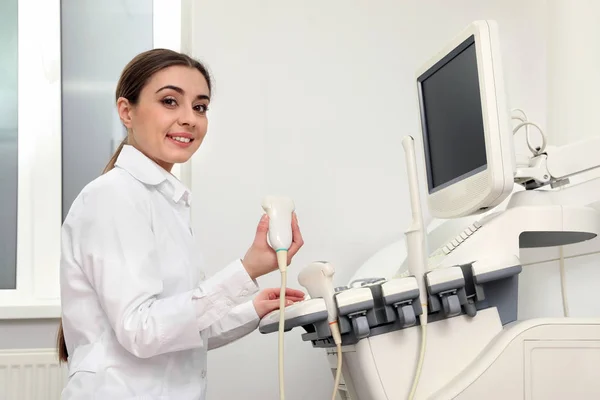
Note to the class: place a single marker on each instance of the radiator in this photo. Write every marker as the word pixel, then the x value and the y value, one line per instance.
pixel 31 375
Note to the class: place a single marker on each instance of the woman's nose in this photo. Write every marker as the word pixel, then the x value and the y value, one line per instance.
pixel 186 117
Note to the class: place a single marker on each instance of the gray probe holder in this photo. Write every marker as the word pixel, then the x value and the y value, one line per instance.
pixel 369 318
pixel 448 297
pixel 387 314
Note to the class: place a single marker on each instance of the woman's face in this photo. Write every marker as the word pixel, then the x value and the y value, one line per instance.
pixel 169 122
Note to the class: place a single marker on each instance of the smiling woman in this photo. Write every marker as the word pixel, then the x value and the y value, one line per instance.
pixel 157 112
pixel 133 294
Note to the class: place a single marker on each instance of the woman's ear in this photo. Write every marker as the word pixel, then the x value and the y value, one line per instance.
pixel 124 109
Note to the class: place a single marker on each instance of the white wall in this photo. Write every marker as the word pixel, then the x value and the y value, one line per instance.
pixel 573 58
pixel 311 100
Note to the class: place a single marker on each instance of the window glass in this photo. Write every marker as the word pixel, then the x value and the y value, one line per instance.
pixel 8 143
pixel 98 38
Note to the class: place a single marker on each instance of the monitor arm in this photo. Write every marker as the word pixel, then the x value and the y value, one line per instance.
pixel 557 164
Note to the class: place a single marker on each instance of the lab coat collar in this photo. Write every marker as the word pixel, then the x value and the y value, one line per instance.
pixel 177 190
pixel 148 172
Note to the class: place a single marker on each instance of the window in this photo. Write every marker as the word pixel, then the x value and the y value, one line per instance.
pixel 30 160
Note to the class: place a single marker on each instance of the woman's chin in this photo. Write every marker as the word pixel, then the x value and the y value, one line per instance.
pixel 179 158
pixel 178 155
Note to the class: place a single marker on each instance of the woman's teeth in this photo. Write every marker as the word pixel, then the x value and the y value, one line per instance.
pixel 180 139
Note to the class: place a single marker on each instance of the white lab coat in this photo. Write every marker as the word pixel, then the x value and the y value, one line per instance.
pixel 138 315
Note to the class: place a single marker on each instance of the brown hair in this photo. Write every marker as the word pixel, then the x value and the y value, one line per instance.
pixel 134 77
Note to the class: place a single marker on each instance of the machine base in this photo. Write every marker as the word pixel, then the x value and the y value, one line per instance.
pixel 476 358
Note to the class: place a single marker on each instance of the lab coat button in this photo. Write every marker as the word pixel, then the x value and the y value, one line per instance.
pixel 244 292
pixel 203 374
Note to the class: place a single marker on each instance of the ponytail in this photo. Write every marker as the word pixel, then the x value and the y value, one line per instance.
pixel 113 159
pixel 61 345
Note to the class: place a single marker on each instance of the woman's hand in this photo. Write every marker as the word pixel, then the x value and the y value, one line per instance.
pixel 267 300
pixel 260 259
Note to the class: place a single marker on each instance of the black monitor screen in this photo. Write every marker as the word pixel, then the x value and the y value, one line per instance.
pixel 452 120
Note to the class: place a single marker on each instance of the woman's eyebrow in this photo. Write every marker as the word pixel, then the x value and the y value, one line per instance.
pixel 175 88
pixel 181 91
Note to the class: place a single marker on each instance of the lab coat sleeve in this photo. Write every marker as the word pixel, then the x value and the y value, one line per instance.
pixel 114 240
pixel 222 292
pixel 238 323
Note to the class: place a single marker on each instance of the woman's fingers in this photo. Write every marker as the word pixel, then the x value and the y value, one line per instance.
pixel 297 240
pixel 290 294
pixel 293 292
pixel 274 304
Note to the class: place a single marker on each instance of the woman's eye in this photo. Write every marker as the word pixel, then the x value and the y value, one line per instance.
pixel 201 108
pixel 169 102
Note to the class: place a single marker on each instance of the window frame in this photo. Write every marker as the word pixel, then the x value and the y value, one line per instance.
pixel 39 164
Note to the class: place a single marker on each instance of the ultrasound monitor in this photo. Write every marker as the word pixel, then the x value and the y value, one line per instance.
pixel 465 125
